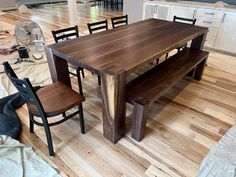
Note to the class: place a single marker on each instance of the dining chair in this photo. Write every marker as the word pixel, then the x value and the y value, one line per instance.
pixel 116 4
pixel 47 102
pixel 98 2
pixel 106 3
pixel 67 34
pixel 186 21
pixel 95 28
pixel 119 21
pixel 113 3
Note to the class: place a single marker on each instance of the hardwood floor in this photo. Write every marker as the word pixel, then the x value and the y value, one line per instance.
pixel 183 125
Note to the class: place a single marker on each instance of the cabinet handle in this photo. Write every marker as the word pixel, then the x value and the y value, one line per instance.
pixel 208 13
pixel 223 19
pixel 156 8
pixel 194 13
pixel 207 22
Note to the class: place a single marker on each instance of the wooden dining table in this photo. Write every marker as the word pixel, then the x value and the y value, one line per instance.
pixel 116 53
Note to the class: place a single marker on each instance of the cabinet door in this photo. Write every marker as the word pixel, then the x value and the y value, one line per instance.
pixel 158 11
pixel 162 12
pixel 182 11
pixel 149 10
pixel 226 39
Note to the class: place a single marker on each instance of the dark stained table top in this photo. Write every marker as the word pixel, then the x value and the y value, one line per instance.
pixel 126 48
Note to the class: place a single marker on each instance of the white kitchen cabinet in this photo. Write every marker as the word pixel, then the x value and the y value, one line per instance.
pixel 211 19
pixel 158 11
pixel 149 10
pixel 209 13
pixel 226 38
pixel 133 8
pixel 182 11
pixel 221 22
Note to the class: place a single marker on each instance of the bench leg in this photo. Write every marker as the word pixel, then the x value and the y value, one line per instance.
pixel 190 74
pixel 199 70
pixel 139 121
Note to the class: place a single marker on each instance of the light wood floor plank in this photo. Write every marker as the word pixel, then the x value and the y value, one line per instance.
pixel 183 125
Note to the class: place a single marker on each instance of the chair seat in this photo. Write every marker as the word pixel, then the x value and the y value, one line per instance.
pixel 56 98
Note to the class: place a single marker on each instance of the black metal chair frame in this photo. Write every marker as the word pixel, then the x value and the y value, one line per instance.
pixel 114 4
pixel 65 34
pixel 30 97
pixel 97 26
pixel 98 2
pixel 119 21
pixel 182 20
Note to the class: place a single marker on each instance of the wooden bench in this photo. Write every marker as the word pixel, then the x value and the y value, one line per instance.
pixel 147 88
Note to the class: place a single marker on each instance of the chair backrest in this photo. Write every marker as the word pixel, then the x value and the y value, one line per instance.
pixel 9 71
pixel 97 26
pixel 25 89
pixel 119 21
pixel 65 34
pixel 184 20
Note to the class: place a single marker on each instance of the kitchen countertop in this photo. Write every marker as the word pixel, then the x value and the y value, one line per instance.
pixel 214 6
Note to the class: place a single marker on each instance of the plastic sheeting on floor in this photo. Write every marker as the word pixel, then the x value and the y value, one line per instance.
pixel 221 160
pixel 19 160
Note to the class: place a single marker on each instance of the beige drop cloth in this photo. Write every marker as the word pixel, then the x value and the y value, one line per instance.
pixel 37 73
pixel 19 160
pixel 221 160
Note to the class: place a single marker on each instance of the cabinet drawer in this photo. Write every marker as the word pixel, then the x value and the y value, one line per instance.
pixel 212 32
pixel 209 42
pixel 208 13
pixel 208 23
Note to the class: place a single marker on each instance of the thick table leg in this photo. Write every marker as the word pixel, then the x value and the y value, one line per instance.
pixel 114 106
pixel 58 68
pixel 198 43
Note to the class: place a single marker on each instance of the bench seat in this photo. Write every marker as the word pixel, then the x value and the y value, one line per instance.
pixel 148 87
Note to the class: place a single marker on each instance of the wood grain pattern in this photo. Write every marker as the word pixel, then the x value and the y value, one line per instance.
pixel 114 107
pixel 127 48
pixel 56 99
pixel 148 87
pixel 181 128
pixel 152 84
pixel 120 50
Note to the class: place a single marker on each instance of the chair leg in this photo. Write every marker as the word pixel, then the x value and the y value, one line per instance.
pixel 79 82
pixel 64 114
pixel 31 123
pixel 49 137
pixel 82 71
pixel 81 116
pixel 167 55
pixel 99 80
pixel 117 4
